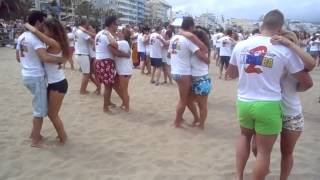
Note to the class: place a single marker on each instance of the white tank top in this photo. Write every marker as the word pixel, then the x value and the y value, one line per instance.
pixel 53 73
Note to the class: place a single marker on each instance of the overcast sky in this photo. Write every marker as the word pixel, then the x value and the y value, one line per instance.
pixel 308 10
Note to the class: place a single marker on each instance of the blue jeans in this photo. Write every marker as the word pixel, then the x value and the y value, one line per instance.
pixel 38 88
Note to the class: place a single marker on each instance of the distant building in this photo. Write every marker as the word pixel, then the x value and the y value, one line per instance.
pixel 158 11
pixel 133 11
pixel 244 24
pixel 207 20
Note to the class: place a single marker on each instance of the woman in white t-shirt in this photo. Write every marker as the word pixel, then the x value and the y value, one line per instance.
pixel 124 68
pixel 166 59
pixel 55 38
pixel 201 81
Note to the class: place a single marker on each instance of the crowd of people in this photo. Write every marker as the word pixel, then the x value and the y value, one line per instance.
pixel 272 66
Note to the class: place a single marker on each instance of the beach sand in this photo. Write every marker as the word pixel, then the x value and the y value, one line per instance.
pixel 142 144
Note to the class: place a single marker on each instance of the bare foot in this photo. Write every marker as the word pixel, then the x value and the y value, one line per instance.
pixel 126 109
pixel 112 105
pixel 97 92
pixel 84 93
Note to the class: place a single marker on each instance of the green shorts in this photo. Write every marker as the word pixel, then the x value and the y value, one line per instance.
pixel 264 117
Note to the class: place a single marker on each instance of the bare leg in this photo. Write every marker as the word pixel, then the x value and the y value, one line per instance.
pixel 117 87
pixel 165 73
pixel 35 134
pixel 107 96
pixel 143 66
pixel 243 151
pixel 254 145
pixel 264 147
pixel 84 84
pixel 203 109
pixel 288 142
pixel 184 85
pixel 93 78
pixel 124 83
pixel 169 74
pixel 148 64
pixel 153 74
pixel 158 74
pixel 55 102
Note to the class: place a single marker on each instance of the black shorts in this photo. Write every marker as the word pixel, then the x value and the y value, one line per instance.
pixel 224 60
pixel 61 87
pixel 156 62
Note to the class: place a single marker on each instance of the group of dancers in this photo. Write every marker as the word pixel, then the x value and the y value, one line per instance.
pixel 270 65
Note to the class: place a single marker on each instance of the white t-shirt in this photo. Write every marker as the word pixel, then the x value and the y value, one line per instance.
pixel 135 37
pixel 92 52
pixel 54 74
pixel 261 66
pixel 30 62
pixel 181 50
pixel 82 43
pixel 198 67
pixel 290 98
pixel 124 65
pixel 102 46
pixel 155 46
pixel 315 45
pixel 217 37
pixel 141 44
pixel 226 46
pixel 71 38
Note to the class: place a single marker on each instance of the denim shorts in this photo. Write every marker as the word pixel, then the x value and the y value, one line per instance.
pixel 201 86
pixel 142 56
pixel 38 88
pixel 176 77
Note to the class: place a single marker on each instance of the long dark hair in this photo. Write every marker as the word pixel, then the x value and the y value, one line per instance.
pixel 59 34
pixel 204 35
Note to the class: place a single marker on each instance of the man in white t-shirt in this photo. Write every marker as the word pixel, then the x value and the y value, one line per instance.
pixel 106 50
pixel 71 39
pixel 82 52
pixel 31 52
pixel 217 44
pixel 225 50
pixel 181 50
pixel 142 40
pixel 260 66
pixel 156 44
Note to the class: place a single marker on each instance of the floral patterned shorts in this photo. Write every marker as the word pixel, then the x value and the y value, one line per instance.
pixel 201 86
pixel 293 123
pixel 105 71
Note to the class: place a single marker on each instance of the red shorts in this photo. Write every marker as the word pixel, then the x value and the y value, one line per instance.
pixel 105 71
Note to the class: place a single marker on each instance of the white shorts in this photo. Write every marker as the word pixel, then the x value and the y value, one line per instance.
pixel 84 63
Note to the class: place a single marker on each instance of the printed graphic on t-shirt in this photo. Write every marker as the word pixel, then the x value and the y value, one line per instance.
pixel 256 58
pixel 175 46
pixel 23 47
pixel 98 40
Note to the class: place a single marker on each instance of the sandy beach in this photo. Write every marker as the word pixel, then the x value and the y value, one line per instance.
pixel 142 144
